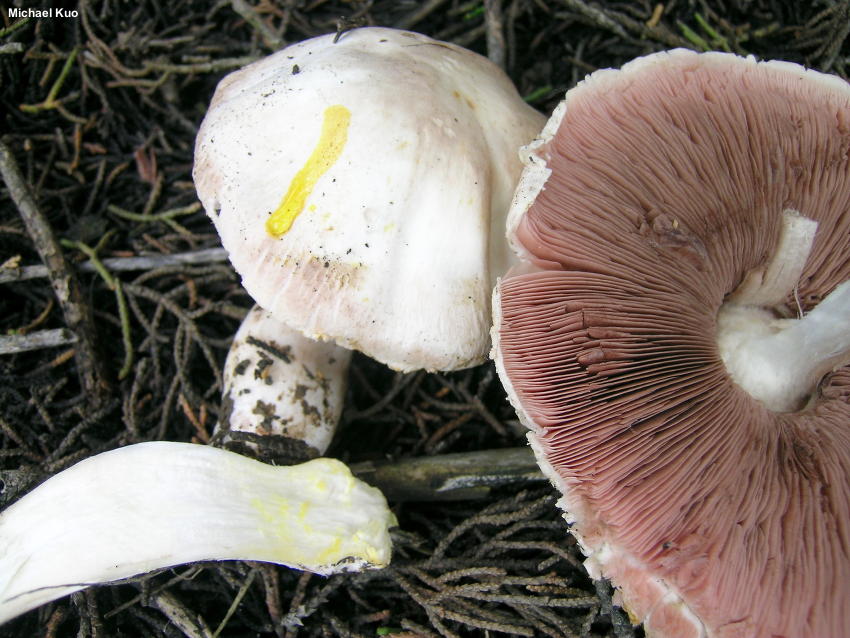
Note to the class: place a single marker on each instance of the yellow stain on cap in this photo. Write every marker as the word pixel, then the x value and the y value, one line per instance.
pixel 327 151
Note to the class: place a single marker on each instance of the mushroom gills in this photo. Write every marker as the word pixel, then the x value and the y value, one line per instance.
pixel 668 183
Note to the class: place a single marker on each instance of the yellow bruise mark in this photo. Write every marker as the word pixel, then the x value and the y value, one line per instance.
pixel 332 553
pixel 332 140
pixel 275 514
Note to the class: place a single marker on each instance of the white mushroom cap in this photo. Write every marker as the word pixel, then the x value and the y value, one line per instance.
pixel 355 185
pixel 153 505
pixel 283 386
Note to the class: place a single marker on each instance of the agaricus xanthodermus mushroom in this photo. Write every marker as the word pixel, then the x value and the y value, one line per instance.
pixel 355 184
pixel 675 341
pixel 154 505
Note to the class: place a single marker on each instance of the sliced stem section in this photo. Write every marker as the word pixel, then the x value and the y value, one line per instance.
pixel 154 505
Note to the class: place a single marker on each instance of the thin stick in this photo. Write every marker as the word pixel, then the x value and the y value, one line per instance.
pixel 13 344
pixel 450 477
pixel 191 624
pixel 419 14
pixel 123 264
pixel 126 338
pixel 11 47
pixel 495 32
pixel 272 40
pixel 50 101
pixel 189 574
pixel 114 284
pixel 77 313
pixel 14 27
pixel 238 599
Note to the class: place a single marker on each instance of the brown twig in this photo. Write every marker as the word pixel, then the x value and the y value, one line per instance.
pixel 77 313
pixel 191 624
pixel 419 14
pixel 271 39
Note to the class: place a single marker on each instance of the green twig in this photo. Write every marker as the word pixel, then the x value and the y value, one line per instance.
pixel 166 216
pixel 13 27
pixel 114 284
pixel 50 102
pixel 154 217
pixel 477 12
pixel 716 37
pixel 124 316
pixel 450 477
pixel 692 37
pixel 763 32
pixel 91 253
pixel 538 93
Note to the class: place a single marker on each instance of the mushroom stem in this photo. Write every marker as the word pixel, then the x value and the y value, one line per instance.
pixel 283 389
pixel 154 505
pixel 769 286
pixel 780 361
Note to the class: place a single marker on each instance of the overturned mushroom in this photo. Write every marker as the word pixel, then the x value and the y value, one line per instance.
pixel 282 388
pixel 153 505
pixel 355 185
pixel 678 340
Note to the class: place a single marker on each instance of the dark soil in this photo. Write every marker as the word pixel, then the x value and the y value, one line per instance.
pixel 100 114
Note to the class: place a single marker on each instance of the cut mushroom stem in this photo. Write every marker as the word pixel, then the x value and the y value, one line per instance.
pixel 769 286
pixel 283 389
pixel 781 361
pixel 154 505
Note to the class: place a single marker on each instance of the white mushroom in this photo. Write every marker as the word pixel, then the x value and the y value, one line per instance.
pixel 154 505
pixel 283 387
pixel 356 183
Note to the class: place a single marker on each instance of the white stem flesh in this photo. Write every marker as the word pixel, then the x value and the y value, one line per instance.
pixel 780 362
pixel 154 505
pixel 768 286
